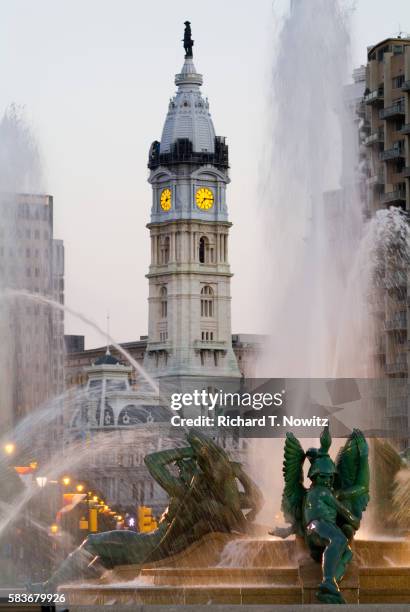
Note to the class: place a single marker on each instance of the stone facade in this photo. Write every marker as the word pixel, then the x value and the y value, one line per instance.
pixel 247 349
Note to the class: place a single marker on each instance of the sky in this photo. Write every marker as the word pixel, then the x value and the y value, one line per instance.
pixel 95 79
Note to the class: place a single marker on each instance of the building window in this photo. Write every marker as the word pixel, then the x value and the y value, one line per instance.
pixel 398 81
pixel 163 336
pixel 203 250
pixel 206 336
pixel 165 250
pixel 164 302
pixel 207 301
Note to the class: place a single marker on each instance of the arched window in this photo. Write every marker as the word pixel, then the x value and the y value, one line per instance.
pixel 207 301
pixel 203 249
pixel 164 302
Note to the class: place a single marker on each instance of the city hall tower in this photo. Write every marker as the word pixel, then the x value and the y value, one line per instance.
pixel 189 330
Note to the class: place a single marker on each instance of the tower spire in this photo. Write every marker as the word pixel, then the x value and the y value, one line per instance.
pixel 188 42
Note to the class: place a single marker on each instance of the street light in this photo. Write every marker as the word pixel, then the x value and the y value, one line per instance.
pixel 9 448
pixel 54 529
pixel 80 488
pixel 66 480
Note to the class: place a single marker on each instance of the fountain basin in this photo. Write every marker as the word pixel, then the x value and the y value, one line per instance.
pixel 227 569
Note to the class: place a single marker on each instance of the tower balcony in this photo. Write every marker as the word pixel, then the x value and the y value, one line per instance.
pixel 406 86
pixel 210 345
pixel 159 347
pixel 405 129
pixel 375 137
pixel 395 152
pixel 394 110
pixel 375 97
pixel 398 196
pixel 406 172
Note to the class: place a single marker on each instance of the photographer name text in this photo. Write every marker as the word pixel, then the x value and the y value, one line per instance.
pixel 238 421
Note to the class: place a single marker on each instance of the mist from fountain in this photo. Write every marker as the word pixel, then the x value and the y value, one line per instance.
pixel 328 259
pixel 41 299
pixel 311 206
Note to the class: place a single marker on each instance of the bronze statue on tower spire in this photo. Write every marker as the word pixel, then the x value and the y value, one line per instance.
pixel 188 42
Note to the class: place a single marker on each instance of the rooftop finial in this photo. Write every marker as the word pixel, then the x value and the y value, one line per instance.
pixel 188 42
pixel 107 352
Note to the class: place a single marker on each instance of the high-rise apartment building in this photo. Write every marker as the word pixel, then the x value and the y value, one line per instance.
pixel 31 352
pixel 386 113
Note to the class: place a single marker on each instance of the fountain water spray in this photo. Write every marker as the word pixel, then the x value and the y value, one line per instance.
pixel 41 299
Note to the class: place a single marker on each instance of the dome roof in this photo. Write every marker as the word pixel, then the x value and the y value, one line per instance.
pixel 107 359
pixel 188 113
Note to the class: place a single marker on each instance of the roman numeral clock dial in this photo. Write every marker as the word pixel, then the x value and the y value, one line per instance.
pixel 204 198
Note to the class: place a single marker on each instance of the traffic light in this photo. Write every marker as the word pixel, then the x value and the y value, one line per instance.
pixel 93 520
pixel 146 521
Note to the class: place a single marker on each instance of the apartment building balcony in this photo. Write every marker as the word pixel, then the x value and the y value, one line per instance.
pixel 406 172
pixel 395 279
pixel 395 152
pixel 397 406
pixel 396 323
pixel 366 126
pixel 406 86
pixel 394 110
pixel 374 138
pixel 397 367
pixel 398 196
pixel 405 129
pixel 377 305
pixel 376 179
pixel 380 346
pixel 375 97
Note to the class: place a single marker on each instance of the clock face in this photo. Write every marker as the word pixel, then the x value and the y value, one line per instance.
pixel 204 198
pixel 165 199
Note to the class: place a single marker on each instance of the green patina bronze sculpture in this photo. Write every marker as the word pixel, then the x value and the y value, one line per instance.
pixel 328 513
pixel 204 497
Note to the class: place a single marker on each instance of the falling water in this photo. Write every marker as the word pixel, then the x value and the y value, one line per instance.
pixel 41 299
pixel 328 260
pixel 311 207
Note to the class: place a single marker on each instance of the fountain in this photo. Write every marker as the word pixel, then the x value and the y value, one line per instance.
pixel 223 565
pixel 331 259
pixel 327 258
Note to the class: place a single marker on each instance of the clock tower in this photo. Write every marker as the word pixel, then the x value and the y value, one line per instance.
pixel 189 330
